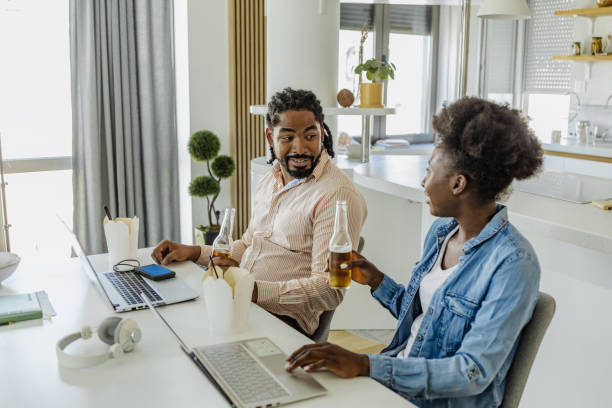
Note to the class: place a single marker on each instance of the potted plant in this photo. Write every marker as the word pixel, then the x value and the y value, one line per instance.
pixel 376 71
pixel 204 146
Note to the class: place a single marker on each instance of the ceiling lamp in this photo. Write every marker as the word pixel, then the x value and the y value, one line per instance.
pixel 504 9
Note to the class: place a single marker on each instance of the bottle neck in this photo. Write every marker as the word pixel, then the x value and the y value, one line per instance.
pixel 341 222
pixel 228 223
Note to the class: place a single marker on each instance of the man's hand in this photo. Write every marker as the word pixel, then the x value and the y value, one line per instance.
pixel 223 262
pixel 168 251
pixel 339 361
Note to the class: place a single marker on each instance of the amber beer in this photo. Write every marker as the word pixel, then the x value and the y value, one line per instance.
pixel 222 246
pixel 222 253
pixel 339 277
pixel 340 247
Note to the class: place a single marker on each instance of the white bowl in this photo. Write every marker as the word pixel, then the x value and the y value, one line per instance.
pixel 8 264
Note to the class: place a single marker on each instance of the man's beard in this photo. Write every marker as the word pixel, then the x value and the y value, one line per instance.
pixel 302 172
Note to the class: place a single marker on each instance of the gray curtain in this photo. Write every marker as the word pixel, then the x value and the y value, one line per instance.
pixel 123 118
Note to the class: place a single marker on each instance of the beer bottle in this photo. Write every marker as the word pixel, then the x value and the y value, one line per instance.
pixel 340 247
pixel 222 245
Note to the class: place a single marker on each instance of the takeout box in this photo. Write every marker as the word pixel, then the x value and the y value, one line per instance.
pixel 227 298
pixel 121 238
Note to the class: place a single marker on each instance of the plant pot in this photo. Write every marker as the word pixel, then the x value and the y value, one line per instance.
pixel 371 95
pixel 209 237
pixel 205 237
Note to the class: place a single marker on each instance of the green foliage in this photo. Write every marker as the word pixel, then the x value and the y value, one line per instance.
pixel 204 186
pixel 204 145
pixel 223 166
pixel 209 228
pixel 376 70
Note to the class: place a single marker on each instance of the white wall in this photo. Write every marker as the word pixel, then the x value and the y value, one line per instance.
pixel 302 48
pixel 203 95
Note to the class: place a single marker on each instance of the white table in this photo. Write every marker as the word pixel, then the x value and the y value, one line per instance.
pixel 157 373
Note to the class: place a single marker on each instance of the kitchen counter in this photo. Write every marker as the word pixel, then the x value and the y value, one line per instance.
pixel 600 149
pixel 579 224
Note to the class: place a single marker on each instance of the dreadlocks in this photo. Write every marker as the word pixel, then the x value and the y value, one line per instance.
pixel 300 99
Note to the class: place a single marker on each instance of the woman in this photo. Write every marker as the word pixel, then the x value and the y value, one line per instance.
pixel 460 317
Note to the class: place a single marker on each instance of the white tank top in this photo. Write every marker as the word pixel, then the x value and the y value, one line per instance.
pixel 430 283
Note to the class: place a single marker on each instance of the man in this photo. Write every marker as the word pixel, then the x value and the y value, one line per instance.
pixel 285 246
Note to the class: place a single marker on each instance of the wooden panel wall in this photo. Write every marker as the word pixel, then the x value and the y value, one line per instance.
pixel 247 40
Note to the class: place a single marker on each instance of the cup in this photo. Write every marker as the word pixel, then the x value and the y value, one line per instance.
pixel 121 238
pixel 582 131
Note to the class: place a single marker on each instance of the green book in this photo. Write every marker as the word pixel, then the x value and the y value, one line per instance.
pixel 14 308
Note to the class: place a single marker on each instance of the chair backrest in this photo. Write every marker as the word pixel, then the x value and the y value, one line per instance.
pixel 320 335
pixel 529 343
pixel 361 244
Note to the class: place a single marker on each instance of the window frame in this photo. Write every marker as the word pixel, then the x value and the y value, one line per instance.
pixel 381 30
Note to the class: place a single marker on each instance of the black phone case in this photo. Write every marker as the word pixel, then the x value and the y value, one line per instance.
pixel 156 278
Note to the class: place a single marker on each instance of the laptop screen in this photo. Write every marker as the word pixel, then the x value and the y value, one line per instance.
pixel 76 246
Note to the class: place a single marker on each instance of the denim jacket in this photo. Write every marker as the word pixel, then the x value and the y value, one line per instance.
pixel 471 328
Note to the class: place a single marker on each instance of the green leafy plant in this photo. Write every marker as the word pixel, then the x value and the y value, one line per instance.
pixel 376 70
pixel 204 146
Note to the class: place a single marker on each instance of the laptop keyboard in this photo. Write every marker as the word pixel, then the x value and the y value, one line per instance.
pixel 130 285
pixel 245 376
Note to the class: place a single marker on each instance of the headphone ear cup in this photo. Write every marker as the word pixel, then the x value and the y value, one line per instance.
pixel 106 330
pixel 127 334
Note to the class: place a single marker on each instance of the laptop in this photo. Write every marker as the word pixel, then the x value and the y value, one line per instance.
pixel 249 373
pixel 122 289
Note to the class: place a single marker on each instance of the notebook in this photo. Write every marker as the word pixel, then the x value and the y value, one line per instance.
pixel 15 308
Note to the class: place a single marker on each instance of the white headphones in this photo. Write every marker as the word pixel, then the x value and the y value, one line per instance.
pixel 121 334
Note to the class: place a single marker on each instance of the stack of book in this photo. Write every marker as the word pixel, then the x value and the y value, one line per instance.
pixel 15 308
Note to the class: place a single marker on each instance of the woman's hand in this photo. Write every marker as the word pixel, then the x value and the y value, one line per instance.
pixel 364 272
pixel 339 361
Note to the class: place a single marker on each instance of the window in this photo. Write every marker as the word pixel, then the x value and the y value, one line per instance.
pixel 35 124
pixel 499 49
pixel 403 35
pixel 548 82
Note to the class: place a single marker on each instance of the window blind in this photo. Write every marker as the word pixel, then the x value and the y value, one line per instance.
pixel 410 19
pixel 548 35
pixel 353 16
pixel 499 69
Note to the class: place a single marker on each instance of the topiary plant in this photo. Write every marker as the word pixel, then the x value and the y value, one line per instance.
pixel 204 146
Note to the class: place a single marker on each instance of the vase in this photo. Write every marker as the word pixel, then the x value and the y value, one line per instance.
pixel 371 95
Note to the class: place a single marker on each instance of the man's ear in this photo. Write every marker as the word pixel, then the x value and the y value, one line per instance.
pixel 458 184
pixel 269 137
pixel 322 126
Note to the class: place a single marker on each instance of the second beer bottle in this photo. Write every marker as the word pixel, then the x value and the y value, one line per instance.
pixel 340 247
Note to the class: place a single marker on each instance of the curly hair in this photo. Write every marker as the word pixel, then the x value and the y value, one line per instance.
pixel 489 143
pixel 297 99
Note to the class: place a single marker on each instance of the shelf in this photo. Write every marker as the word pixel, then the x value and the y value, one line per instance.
pixel 583 58
pixel 585 12
pixel 334 111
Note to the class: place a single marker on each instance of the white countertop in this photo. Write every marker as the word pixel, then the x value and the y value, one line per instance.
pixel 580 224
pixel 599 149
pixel 400 175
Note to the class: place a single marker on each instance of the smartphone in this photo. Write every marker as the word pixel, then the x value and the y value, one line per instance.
pixel 155 272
